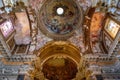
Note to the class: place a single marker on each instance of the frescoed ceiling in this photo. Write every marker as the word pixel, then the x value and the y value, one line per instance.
pixel 60 18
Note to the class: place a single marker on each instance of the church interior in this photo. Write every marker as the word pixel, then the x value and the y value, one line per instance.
pixel 59 39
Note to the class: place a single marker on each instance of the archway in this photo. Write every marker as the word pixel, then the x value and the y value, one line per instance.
pixel 58 61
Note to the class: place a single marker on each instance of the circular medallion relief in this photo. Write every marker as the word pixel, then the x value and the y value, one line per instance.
pixel 59 18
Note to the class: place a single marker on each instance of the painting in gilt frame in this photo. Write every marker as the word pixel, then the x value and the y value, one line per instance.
pixel 112 27
pixel 6 28
pixel 8 2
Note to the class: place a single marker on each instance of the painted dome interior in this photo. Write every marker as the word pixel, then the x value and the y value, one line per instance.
pixel 60 17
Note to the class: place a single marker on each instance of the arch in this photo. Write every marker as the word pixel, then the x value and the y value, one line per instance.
pixel 59 49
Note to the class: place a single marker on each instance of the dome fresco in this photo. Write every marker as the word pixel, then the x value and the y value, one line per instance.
pixel 60 18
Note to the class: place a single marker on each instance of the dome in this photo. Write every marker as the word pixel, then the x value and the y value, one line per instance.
pixel 59 18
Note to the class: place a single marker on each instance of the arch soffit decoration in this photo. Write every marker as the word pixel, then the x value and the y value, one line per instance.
pixel 59 49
